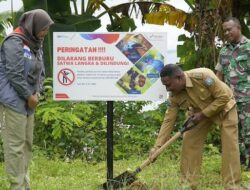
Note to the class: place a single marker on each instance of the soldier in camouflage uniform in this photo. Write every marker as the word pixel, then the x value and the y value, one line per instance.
pixel 234 69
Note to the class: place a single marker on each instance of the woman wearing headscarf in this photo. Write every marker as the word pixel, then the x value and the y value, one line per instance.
pixel 21 75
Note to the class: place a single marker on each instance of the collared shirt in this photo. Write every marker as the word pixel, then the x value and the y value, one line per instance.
pixel 205 93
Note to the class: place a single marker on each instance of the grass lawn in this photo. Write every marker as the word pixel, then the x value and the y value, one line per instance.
pixel 79 175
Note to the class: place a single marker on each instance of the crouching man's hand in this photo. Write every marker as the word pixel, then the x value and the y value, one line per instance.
pixel 197 117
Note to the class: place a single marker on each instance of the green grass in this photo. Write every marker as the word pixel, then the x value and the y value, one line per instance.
pixel 79 175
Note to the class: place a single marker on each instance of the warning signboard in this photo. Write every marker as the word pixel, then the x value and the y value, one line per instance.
pixel 109 66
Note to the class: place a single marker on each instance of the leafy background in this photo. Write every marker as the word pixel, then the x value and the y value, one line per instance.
pixel 73 131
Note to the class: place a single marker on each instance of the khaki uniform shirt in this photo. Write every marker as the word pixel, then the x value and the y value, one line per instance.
pixel 204 92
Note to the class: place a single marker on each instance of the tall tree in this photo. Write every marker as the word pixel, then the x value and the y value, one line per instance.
pixel 204 23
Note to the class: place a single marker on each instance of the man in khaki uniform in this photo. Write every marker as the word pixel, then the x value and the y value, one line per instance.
pixel 212 101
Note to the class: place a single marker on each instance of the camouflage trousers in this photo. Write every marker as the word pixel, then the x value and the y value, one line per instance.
pixel 243 109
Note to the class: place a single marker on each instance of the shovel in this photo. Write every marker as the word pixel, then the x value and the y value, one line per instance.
pixel 127 178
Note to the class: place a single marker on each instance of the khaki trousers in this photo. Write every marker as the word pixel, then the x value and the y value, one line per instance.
pixel 191 156
pixel 17 135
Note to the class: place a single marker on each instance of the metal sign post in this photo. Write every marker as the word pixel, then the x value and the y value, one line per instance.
pixel 109 142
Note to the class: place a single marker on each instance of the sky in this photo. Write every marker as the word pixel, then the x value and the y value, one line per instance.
pixel 6 5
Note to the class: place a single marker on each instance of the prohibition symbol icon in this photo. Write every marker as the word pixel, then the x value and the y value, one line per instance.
pixel 66 77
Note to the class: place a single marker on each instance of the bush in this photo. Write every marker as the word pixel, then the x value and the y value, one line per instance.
pixel 78 129
pixel 69 130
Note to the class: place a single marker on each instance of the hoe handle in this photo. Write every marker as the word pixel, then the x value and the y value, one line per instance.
pixel 160 150
pixel 188 125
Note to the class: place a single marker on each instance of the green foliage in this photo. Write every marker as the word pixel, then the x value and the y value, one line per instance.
pixel 123 24
pixel 66 128
pixel 5 22
pixel 192 57
pixel 187 52
pixel 83 23
pixel 163 174
pixel 78 129
pixel 61 122
pixel 1 150
pixel 214 138
pixel 72 130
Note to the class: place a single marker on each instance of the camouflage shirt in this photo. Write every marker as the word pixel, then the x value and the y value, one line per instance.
pixel 234 64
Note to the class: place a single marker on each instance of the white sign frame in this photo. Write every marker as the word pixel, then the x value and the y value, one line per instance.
pixel 109 66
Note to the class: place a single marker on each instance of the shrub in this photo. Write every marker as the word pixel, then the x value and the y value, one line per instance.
pixel 69 130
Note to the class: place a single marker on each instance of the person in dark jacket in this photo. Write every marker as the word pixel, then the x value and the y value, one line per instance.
pixel 21 74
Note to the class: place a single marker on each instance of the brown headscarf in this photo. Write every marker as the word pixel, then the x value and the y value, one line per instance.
pixel 31 23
